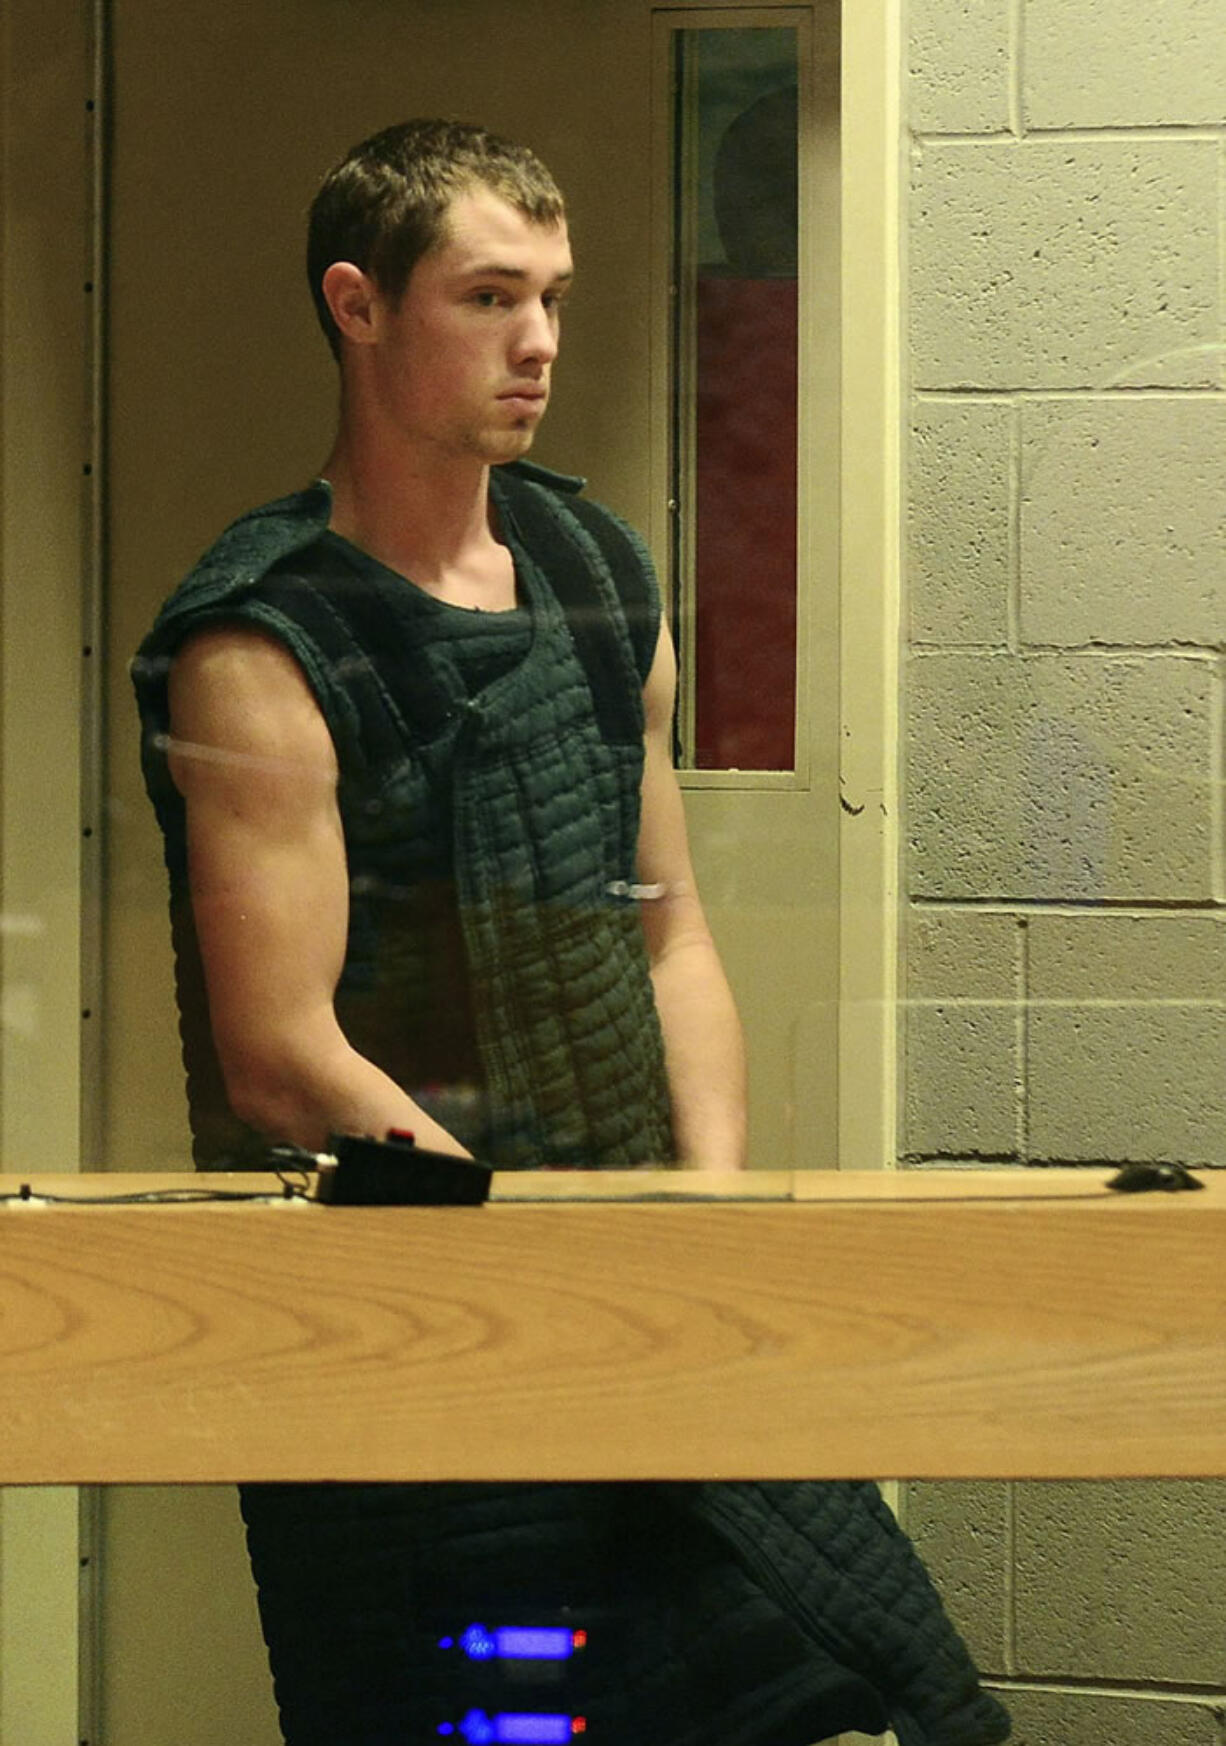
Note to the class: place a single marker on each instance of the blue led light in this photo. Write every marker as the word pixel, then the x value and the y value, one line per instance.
pixel 477 1643
pixel 524 1728
pixel 534 1643
pixel 514 1728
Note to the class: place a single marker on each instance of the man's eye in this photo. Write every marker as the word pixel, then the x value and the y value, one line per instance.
pixel 487 299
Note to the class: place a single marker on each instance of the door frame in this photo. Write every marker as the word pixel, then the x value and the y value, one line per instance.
pixel 870 581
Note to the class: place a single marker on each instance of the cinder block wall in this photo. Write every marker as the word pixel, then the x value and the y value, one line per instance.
pixel 1065 683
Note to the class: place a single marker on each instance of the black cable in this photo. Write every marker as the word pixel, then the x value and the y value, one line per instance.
pixel 165 1196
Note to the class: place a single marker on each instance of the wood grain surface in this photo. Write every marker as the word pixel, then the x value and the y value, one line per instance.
pixel 955 1324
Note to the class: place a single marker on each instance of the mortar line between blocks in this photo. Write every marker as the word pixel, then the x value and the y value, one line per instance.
pixel 1081 1685
pixel 1217 775
pixel 1090 393
pixel 1009 1621
pixel 1152 133
pixel 1014 604
pixel 1006 904
pixel 1021 1081
pixel 1102 652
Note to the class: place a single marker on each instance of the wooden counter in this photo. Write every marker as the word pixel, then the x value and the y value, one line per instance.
pixel 928 1324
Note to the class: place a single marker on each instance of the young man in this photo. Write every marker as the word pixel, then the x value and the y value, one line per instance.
pixel 352 987
pixel 407 734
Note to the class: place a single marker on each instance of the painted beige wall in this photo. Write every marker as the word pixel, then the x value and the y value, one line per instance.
pixel 44 447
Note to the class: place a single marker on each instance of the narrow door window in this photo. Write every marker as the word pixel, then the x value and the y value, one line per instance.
pixel 735 130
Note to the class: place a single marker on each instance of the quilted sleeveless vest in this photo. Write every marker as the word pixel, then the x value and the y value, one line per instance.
pixel 495 965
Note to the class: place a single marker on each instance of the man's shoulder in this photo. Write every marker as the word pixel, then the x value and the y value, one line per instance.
pixel 588 553
pixel 567 484
pixel 562 500
pixel 241 555
pixel 258 540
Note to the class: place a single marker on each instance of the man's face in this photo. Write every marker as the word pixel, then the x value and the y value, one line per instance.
pixel 464 357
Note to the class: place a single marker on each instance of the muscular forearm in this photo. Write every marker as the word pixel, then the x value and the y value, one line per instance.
pixel 303 1095
pixel 704 1054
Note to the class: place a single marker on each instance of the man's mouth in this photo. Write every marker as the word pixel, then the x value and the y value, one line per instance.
pixel 525 394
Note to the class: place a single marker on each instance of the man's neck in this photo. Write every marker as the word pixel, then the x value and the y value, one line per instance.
pixel 427 517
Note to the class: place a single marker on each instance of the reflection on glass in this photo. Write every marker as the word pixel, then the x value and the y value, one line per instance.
pixel 1113 1600
pixel 735 268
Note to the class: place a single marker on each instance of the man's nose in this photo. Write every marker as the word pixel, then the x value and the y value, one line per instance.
pixel 537 334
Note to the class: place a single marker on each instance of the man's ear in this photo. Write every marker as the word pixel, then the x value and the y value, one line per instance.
pixel 352 297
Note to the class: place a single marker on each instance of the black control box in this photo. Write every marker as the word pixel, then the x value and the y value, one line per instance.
pixel 398 1172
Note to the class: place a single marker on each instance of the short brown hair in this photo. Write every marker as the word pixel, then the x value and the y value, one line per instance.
pixel 384 205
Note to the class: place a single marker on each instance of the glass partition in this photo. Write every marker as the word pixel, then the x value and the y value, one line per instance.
pixel 1029 571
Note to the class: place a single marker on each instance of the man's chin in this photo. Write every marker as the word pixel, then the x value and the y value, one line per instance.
pixel 497 447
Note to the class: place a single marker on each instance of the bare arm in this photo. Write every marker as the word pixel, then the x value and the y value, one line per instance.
pixel 704 1051
pixel 255 763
